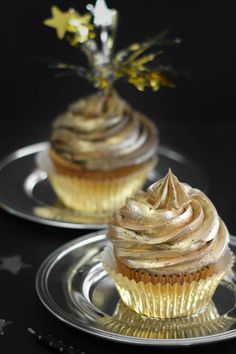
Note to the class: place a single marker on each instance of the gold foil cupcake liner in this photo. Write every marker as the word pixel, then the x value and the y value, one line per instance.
pixel 96 195
pixel 89 195
pixel 129 323
pixel 162 301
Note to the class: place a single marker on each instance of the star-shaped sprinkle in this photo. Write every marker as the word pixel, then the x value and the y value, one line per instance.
pixel 13 264
pixel 103 17
pixel 59 21
pixel 3 324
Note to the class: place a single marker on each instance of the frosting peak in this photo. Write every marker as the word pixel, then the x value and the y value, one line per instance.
pixel 170 228
pixel 168 193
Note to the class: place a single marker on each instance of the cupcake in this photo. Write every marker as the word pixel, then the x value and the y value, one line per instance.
pixel 101 149
pixel 101 153
pixel 168 250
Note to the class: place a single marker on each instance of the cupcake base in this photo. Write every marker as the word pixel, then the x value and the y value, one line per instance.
pixel 94 192
pixel 165 299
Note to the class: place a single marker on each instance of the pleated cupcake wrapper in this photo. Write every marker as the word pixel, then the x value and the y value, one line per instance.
pixel 127 322
pixel 162 301
pixel 94 195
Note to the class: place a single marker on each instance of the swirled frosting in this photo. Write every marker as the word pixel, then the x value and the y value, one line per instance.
pixel 171 228
pixel 103 133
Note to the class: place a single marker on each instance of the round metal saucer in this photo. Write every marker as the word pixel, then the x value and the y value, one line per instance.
pixel 26 192
pixel 74 286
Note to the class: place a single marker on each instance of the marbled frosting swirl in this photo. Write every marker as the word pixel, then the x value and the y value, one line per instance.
pixel 104 133
pixel 169 229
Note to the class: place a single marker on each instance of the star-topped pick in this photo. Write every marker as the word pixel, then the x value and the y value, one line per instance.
pixel 103 17
pixel 3 324
pixel 13 264
pixel 94 34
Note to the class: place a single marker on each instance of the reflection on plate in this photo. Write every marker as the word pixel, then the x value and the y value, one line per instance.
pixel 59 213
pixel 205 323
pixel 26 192
pixel 74 286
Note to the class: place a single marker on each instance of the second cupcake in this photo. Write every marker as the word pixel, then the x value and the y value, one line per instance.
pixel 169 250
pixel 101 153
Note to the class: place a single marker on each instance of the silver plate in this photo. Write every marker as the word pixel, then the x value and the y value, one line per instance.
pixel 23 187
pixel 73 285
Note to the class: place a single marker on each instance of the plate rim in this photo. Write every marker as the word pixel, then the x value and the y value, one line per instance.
pixel 41 285
pixel 40 146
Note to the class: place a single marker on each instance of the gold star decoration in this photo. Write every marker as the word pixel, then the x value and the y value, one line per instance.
pixel 59 21
pixel 71 21
pixel 81 27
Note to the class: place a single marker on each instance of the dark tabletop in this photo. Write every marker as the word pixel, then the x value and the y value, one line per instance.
pixel 197 118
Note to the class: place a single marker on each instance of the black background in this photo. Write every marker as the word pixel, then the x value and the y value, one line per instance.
pixel 197 118
pixel 208 52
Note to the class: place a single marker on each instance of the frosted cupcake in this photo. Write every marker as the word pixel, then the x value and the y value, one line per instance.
pixel 101 149
pixel 168 251
pixel 101 153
